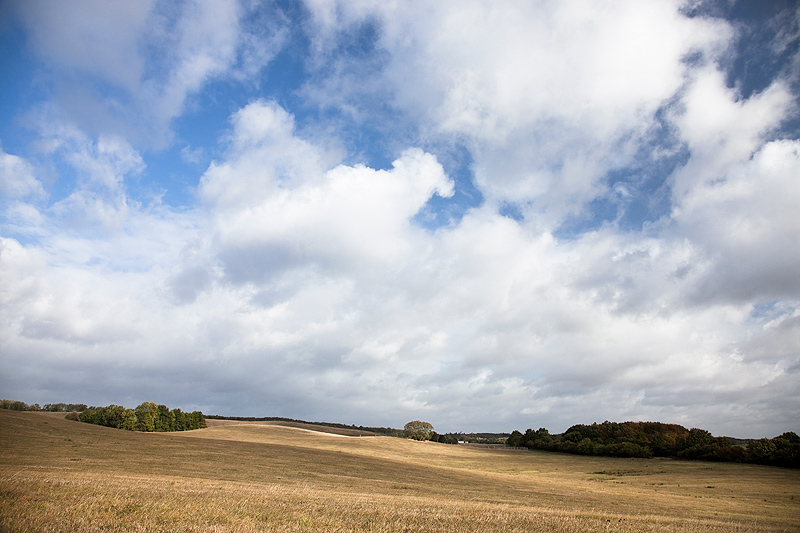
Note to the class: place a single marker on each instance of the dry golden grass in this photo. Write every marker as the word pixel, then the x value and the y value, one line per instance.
pixel 57 475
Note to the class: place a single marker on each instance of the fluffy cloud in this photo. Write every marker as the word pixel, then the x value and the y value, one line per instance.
pixel 745 222
pixel 275 208
pixel 154 55
pixel 17 178
pixel 317 279
pixel 86 36
pixel 300 284
pixel 550 97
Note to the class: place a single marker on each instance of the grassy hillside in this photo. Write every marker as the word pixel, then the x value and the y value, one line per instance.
pixel 58 475
pixel 323 427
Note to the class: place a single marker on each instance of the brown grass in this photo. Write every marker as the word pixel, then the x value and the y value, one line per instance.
pixel 57 475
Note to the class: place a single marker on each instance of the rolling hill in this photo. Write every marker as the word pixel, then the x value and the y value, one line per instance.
pixel 60 475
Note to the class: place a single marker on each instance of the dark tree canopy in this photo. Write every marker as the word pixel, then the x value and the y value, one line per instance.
pixel 649 439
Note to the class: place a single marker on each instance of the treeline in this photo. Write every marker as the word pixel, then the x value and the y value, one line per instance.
pixel 471 438
pixel 146 417
pixel 16 405
pixel 446 438
pixel 484 438
pixel 655 439
pixel 64 407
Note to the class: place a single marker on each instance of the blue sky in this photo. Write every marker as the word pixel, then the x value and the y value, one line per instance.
pixel 488 215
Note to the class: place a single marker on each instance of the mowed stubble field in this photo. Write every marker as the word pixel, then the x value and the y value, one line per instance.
pixel 58 475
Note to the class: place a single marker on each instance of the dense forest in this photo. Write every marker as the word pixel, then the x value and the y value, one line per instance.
pixel 146 417
pixel 655 439
pixel 15 405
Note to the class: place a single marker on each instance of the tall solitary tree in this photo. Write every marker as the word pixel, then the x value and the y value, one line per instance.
pixel 418 430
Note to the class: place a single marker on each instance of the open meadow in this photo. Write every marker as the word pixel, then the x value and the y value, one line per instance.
pixel 59 475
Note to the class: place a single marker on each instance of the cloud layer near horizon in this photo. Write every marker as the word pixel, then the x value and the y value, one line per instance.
pixel 298 278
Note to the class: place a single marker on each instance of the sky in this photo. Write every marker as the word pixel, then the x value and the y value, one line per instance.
pixel 489 215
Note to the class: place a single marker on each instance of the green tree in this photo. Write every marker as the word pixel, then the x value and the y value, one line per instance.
pixel 146 414
pixel 586 447
pixel 112 416
pixel 761 451
pixel 514 440
pixel 418 430
pixel 787 450
pixel 129 420
pixel 146 417
pixel 196 420
pixel 89 416
pixel 180 419
pixel 16 405
pixel 697 437
pixel 165 421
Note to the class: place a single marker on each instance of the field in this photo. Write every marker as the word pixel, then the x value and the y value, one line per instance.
pixel 58 475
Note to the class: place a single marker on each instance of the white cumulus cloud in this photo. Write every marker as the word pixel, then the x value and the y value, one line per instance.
pixel 299 281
